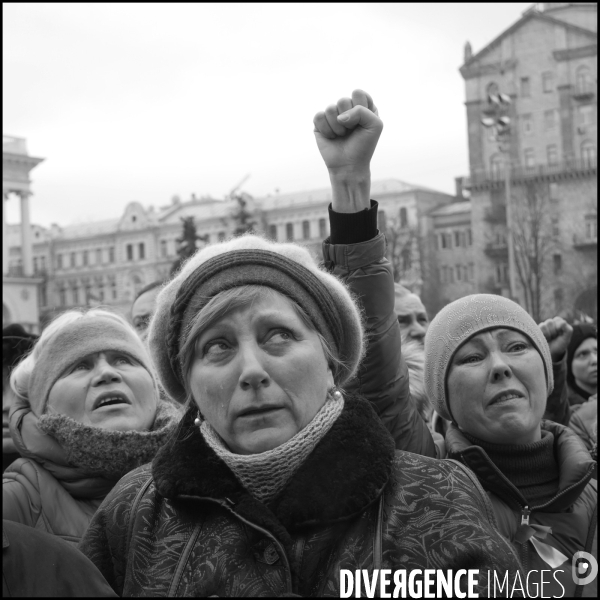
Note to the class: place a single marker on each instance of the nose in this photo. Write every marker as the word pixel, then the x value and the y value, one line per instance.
pixel 417 331
pixel 500 368
pixel 253 374
pixel 105 373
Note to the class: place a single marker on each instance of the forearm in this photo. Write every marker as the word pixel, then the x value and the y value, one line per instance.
pixel 350 189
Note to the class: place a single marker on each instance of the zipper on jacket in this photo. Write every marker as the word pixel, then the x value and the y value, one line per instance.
pixel 525 512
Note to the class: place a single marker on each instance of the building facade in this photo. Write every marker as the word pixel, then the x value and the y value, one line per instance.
pixel 544 71
pixel 108 262
pixel 20 286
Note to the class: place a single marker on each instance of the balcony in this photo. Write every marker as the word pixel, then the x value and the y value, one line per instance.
pixel 585 243
pixel 482 178
pixel 496 250
pixel 584 92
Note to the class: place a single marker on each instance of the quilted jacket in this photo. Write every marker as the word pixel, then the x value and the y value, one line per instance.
pixel 185 526
pixel 382 377
pixel 571 514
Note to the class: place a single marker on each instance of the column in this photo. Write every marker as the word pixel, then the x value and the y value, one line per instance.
pixel 5 247
pixel 26 249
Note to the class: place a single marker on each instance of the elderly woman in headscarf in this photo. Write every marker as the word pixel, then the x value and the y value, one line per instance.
pixel 86 412
pixel 277 478
pixel 488 370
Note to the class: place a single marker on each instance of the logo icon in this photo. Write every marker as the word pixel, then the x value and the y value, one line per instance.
pixel 585 568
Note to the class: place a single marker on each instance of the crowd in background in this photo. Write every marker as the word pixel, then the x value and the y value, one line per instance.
pixel 263 421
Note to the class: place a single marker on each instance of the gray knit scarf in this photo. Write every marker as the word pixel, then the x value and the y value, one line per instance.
pixel 264 475
pixel 107 453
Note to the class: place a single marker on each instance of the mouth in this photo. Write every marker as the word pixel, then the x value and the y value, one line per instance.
pixel 110 399
pixel 505 396
pixel 259 410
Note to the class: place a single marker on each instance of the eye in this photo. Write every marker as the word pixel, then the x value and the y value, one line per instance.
pixel 123 360
pixel 519 347
pixel 280 336
pixel 215 349
pixel 423 320
pixel 403 320
pixel 82 366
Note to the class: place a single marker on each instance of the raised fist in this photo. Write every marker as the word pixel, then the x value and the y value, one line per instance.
pixel 558 335
pixel 347 133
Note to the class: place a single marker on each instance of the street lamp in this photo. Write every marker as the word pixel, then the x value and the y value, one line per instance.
pixel 498 106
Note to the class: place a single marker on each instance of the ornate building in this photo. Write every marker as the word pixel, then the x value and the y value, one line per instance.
pixel 107 262
pixel 541 73
pixel 20 287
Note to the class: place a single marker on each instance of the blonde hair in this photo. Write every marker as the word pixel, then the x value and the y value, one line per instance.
pixel 19 379
pixel 413 353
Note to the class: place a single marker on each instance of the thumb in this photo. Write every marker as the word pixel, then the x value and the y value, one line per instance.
pixel 360 115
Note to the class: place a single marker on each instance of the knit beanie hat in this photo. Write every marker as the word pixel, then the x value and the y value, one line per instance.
pixel 581 332
pixel 251 260
pixel 74 342
pixel 461 320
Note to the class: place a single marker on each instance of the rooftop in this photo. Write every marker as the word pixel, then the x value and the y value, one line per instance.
pixel 452 209
pixel 14 145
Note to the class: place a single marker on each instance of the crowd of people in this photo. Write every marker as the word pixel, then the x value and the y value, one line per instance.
pixel 266 423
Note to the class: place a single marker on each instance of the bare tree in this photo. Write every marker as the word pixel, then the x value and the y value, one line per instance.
pixel 533 245
pixel 401 245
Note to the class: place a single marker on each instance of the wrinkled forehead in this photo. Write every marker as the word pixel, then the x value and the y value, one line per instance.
pixel 409 304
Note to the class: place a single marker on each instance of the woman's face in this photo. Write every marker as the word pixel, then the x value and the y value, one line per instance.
pixel 259 375
pixel 108 390
pixel 585 364
pixel 496 387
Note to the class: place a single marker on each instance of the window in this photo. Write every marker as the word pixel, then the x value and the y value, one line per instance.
pixel 457 239
pixel 273 232
pixel 585 115
pixel 98 256
pixel 129 250
pixel 458 273
pixel 557 264
pixel 469 237
pixel 555 227
pixel 101 292
pixel 163 248
pixel 525 87
pixel 527 121
pixel 548 81
pixel 588 153
pixel 501 272
pixel 403 217
pixel 73 260
pixel 221 236
pixel 43 263
pixel 450 275
pixel 529 158
pixel 137 284
pixel 406 260
pixel 591 227
pixel 496 166
pixel 62 297
pixel 35 264
pixel 583 79
pixel 306 230
pixel 59 261
pixel 443 240
pixel 322 229
pixel 142 251
pixel 111 255
pixel 75 293
pixel 289 232
pixel 554 191
pixel 558 299
pixel 85 258
pixel 113 286
pixel 552 154
pixel 549 120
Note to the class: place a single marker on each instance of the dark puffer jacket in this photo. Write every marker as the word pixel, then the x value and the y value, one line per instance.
pixel 186 527
pixel 571 514
pixel 383 375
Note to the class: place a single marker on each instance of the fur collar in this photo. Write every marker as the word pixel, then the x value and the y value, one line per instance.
pixel 344 474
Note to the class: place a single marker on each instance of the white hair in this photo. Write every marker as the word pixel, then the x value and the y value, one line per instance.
pixel 19 379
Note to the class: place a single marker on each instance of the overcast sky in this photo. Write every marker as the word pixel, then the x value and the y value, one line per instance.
pixel 144 101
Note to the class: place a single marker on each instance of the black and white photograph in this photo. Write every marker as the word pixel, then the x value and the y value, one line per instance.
pixel 299 300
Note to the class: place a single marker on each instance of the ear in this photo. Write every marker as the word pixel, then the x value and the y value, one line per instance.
pixel 330 382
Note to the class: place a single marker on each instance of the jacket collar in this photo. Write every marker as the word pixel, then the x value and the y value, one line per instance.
pixel 575 467
pixel 343 475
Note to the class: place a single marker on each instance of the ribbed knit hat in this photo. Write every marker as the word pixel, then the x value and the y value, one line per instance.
pixel 461 320
pixel 74 342
pixel 251 260
pixel 581 332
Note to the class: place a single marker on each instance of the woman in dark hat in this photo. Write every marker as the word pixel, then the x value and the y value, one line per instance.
pixel 16 343
pixel 582 363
